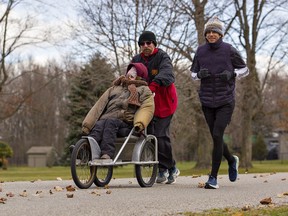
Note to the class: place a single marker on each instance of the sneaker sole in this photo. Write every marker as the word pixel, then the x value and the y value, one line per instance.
pixel 208 186
pixel 237 165
pixel 175 176
pixel 171 182
pixel 166 174
pixel 162 182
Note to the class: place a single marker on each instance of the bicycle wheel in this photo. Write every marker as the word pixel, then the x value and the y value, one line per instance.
pixel 146 173
pixel 103 175
pixel 83 175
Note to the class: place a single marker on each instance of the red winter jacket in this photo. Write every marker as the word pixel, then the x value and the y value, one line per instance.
pixel 161 81
pixel 165 99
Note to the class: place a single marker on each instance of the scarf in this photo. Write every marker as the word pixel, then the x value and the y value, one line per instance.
pixel 132 88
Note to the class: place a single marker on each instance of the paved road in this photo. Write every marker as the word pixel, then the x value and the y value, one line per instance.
pixel 126 197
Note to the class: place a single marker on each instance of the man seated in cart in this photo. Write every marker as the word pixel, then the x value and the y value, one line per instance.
pixel 129 102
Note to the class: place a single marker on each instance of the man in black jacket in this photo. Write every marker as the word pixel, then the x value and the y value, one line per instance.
pixel 161 82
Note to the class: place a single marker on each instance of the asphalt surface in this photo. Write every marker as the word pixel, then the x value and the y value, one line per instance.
pixel 126 197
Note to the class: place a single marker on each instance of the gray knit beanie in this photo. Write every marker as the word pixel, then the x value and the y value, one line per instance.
pixel 214 24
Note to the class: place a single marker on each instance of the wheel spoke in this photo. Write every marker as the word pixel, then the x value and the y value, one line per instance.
pixel 82 173
pixel 146 173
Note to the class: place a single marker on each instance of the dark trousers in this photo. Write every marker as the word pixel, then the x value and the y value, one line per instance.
pixel 217 120
pixel 105 133
pixel 160 127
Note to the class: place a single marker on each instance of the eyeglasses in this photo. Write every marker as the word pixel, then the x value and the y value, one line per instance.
pixel 145 42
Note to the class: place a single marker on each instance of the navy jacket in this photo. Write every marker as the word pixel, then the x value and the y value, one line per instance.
pixel 217 57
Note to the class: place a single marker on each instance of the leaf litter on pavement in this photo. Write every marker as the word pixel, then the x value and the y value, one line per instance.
pixel 72 189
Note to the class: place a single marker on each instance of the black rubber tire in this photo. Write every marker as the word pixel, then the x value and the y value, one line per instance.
pixel 83 175
pixel 146 174
pixel 103 175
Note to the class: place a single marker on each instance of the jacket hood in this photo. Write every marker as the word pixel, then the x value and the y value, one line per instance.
pixel 141 70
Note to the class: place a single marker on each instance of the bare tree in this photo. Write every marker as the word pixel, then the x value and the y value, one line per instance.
pixel 39 121
pixel 113 27
pixel 262 29
pixel 275 103
pixel 17 33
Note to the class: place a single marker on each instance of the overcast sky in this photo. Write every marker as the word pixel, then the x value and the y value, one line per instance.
pixel 53 15
pixel 50 14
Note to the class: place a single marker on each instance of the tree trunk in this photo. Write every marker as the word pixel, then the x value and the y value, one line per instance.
pixel 250 103
pixel 246 150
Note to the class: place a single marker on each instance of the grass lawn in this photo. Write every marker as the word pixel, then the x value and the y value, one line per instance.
pixel 187 169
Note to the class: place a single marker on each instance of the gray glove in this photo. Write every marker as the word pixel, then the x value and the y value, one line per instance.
pixel 203 73
pixel 226 75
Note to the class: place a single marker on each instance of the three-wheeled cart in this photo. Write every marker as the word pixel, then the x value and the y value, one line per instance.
pixel 140 149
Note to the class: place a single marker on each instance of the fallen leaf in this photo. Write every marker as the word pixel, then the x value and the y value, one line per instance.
pixel 108 192
pixel 58 188
pixel 96 193
pixel 39 194
pixel 23 194
pixel 283 179
pixel 70 195
pixel 196 176
pixel 3 200
pixel 201 185
pixel 51 192
pixel 10 194
pixel 130 182
pixel 106 187
pixel 265 181
pixel 266 201
pixel 59 179
pixel 285 193
pixel 70 188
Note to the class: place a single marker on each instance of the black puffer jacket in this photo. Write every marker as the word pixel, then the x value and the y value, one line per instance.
pixel 216 57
